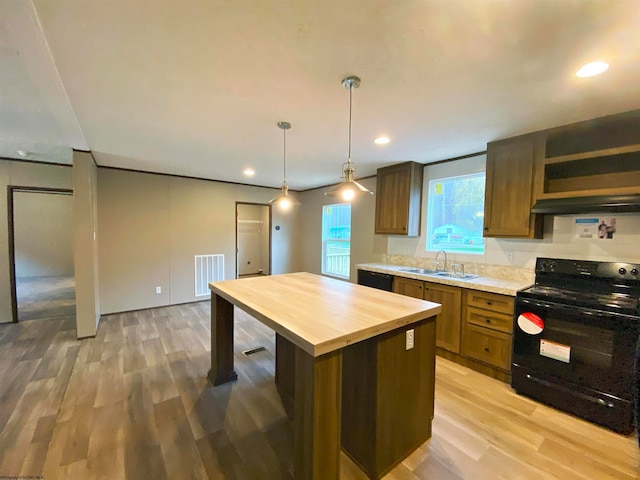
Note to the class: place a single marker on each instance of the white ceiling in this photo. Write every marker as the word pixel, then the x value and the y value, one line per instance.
pixel 196 87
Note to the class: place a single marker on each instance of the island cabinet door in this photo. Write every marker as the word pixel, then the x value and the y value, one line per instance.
pixel 387 397
pixel 449 321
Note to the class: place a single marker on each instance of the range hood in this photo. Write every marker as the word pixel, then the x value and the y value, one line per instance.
pixel 604 204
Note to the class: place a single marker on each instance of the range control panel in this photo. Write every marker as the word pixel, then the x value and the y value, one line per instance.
pixel 588 268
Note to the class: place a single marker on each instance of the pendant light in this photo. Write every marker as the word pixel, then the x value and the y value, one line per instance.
pixel 284 200
pixel 348 188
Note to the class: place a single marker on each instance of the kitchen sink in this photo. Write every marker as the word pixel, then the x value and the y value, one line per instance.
pixel 464 276
pixel 422 271
pixel 438 273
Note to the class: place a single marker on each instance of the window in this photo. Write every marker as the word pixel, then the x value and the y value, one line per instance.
pixel 336 239
pixel 455 214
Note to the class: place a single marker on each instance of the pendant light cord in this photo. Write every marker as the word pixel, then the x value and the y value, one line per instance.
pixel 350 96
pixel 284 155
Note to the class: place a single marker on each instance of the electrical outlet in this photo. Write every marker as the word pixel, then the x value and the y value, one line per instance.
pixel 158 289
pixel 410 339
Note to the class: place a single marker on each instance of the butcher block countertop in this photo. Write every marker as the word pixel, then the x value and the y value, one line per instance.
pixel 486 284
pixel 321 314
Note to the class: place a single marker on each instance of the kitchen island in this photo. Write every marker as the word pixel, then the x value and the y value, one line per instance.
pixel 383 342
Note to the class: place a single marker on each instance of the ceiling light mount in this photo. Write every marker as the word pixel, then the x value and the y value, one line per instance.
pixel 351 82
pixel 348 188
pixel 284 200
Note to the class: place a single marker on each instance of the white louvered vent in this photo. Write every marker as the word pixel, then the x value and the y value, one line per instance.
pixel 209 268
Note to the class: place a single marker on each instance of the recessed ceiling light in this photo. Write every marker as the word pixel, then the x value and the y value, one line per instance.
pixel 591 69
pixel 249 172
pixel 381 140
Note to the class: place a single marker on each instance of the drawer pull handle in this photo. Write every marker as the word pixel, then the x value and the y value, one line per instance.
pixel 489 302
pixel 488 320
pixel 486 349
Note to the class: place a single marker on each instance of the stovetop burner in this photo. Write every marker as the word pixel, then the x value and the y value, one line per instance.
pixel 606 286
pixel 613 302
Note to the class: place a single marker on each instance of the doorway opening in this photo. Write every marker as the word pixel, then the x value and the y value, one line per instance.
pixel 41 253
pixel 253 239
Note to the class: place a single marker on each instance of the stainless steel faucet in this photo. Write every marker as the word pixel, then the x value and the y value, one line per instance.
pixel 435 261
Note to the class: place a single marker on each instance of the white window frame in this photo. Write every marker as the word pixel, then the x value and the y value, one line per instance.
pixel 429 245
pixel 325 269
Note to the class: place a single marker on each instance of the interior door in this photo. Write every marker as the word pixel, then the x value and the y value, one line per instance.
pixel 253 239
pixel 41 253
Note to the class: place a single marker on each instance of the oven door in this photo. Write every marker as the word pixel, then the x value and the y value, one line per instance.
pixel 571 345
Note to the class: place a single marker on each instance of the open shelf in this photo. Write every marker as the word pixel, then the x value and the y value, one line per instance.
pixel 596 173
pixel 596 157
pixel 600 134
pixel 608 152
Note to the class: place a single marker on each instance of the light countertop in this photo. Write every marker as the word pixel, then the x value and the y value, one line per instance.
pixel 321 314
pixel 486 284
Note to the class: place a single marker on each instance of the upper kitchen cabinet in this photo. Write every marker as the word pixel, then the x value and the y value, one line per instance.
pixel 599 157
pixel 399 199
pixel 509 189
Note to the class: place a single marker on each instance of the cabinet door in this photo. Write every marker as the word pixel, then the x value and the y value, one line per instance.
pixel 398 199
pixel 509 190
pixel 408 287
pixel 449 320
pixel 487 346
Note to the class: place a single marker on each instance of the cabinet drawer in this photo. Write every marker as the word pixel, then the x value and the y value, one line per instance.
pixel 487 346
pixel 489 319
pixel 492 301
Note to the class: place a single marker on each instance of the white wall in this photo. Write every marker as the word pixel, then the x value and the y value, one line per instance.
pixel 152 226
pixel 43 239
pixel 85 244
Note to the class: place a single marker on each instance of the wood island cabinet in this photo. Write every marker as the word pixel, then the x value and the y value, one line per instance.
pixel 399 199
pixel 509 189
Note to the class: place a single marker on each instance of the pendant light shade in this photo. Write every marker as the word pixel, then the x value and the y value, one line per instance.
pixel 348 188
pixel 284 200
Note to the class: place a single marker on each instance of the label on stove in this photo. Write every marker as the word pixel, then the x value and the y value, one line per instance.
pixel 530 323
pixel 554 350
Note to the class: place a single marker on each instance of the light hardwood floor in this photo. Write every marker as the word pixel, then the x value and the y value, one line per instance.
pixel 134 403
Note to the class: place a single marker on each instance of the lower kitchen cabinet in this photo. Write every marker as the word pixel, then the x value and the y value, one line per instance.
pixel 408 287
pixel 474 328
pixel 487 331
pixel 486 345
pixel 448 322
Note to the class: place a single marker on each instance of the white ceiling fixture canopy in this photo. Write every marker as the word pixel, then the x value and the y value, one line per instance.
pixel 284 200
pixel 349 188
